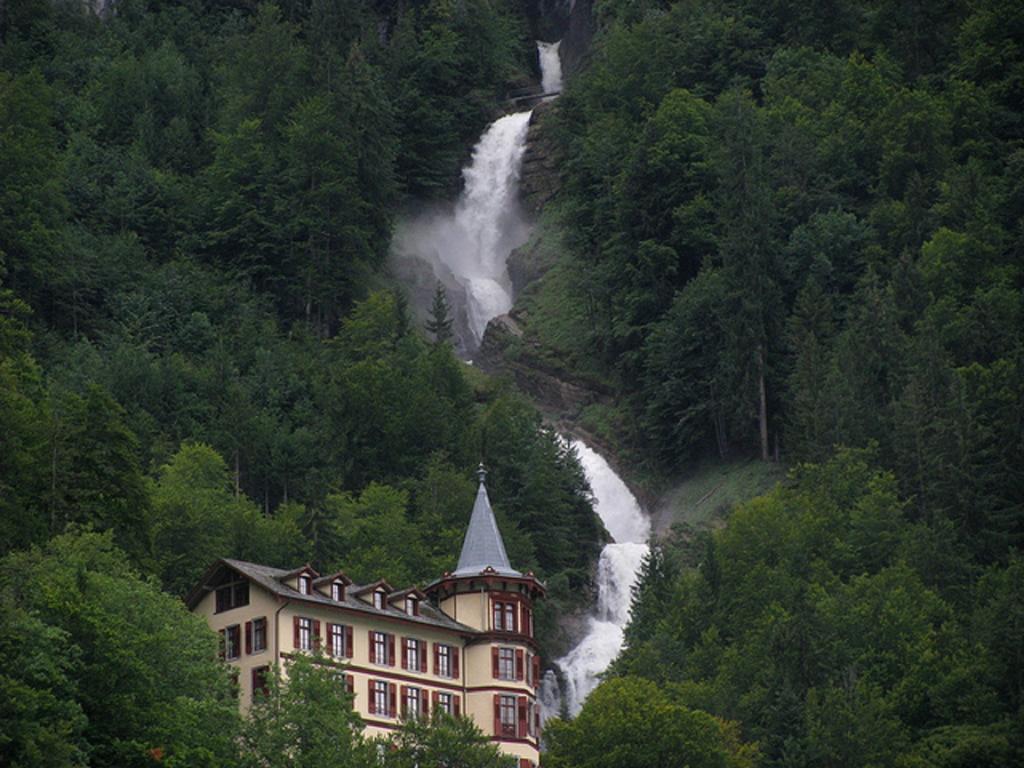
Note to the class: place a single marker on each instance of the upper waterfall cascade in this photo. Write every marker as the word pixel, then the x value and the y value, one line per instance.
pixel 468 247
pixel 550 66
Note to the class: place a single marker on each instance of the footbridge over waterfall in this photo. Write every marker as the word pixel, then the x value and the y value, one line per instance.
pixel 528 97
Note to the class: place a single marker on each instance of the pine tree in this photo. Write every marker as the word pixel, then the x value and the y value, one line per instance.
pixel 440 322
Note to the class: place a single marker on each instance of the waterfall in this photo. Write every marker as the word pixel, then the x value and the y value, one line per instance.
pixel 616 573
pixel 467 247
pixel 550 66
pixel 473 242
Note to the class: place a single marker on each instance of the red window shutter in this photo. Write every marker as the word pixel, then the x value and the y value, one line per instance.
pixel 330 639
pixel 497 715
pixel 522 617
pixel 495 663
pixel 405 653
pixel 455 662
pixel 536 671
pixel 423 656
pixel 373 657
pixel 316 634
pixel 391 650
pixel 434 698
pixel 393 694
pixel 348 642
pixel 525 763
pixel 405 701
pixel 350 684
pixel 523 721
pixel 520 663
pixel 248 637
pixel 457 705
pixel 424 702
pixel 372 700
pixel 295 627
pixel 437 658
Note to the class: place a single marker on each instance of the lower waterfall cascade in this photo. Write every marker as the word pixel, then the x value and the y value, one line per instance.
pixel 617 572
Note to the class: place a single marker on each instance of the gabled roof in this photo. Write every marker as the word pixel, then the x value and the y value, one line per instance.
pixel 307 569
pixel 331 578
pixel 483 546
pixel 401 594
pixel 271 580
pixel 371 587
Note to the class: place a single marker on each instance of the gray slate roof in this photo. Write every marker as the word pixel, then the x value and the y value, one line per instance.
pixel 269 579
pixel 483 546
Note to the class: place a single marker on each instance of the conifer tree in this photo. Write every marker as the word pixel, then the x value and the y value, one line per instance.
pixel 440 322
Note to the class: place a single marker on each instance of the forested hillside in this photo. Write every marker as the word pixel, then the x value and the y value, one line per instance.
pixel 201 356
pixel 795 231
pixel 198 349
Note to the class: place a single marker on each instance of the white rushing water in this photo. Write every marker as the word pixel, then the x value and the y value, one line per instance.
pixel 474 241
pixel 616 573
pixel 468 247
pixel 550 66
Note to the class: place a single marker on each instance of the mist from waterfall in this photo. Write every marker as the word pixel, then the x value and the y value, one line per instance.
pixel 467 246
pixel 472 243
pixel 617 572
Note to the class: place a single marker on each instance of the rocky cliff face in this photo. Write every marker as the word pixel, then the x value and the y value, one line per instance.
pixel 577 36
pixel 539 179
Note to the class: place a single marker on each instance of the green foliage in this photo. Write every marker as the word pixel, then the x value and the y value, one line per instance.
pixel 632 722
pixel 196 519
pixel 443 740
pixel 305 721
pixel 815 621
pixel 132 670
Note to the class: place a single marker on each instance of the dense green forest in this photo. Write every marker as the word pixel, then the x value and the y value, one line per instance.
pixel 793 229
pixel 201 355
pixel 199 350
pixel 796 230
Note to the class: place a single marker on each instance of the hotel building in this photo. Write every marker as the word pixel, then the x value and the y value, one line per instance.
pixel 464 644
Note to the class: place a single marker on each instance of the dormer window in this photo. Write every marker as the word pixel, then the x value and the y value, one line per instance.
pixel 378 599
pixel 412 607
pixel 305 584
pixel 337 592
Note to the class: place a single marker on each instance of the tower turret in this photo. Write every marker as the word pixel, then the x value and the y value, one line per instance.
pixel 502 666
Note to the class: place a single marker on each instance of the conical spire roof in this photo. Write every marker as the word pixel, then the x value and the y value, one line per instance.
pixel 483 547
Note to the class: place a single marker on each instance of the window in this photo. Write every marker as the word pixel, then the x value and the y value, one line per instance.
pixel 259 635
pixel 507 719
pixel 382 698
pixel 411 606
pixel 337 637
pixel 443 702
pixel 232 639
pixel 378 599
pixel 259 681
pixel 232 595
pixel 506 664
pixel 382 648
pixel 443 660
pixel 412 655
pixel 305 627
pixel 505 616
pixel 337 591
pixel 304 583
pixel 411 701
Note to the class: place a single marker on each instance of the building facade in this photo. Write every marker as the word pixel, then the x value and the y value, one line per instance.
pixel 464 644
